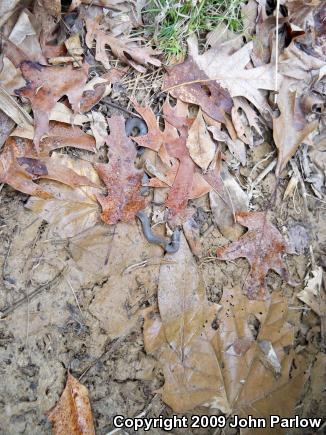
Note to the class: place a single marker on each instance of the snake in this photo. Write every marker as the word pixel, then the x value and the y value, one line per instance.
pixel 134 123
pixel 170 247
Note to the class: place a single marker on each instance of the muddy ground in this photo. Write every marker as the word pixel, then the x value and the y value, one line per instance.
pixel 70 304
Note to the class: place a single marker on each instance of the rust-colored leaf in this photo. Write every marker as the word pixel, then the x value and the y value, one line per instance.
pixel 263 246
pixel 124 49
pixel 45 86
pixel 72 414
pixel 20 164
pixel 122 179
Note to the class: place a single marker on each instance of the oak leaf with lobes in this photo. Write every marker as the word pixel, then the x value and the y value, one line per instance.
pixel 122 179
pixel 263 246
pixel 45 86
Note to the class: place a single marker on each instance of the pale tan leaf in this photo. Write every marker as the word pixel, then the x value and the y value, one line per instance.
pixel 69 211
pixel 7 8
pixel 224 212
pixel 11 108
pixel 313 294
pixel 72 414
pixel 191 371
pixel 291 128
pixel 251 385
pixel 236 147
pixel 199 143
pixel 226 69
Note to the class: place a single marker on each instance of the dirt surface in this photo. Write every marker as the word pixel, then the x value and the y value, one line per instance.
pixel 70 304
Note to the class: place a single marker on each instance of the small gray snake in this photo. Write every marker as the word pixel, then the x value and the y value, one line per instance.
pixel 169 247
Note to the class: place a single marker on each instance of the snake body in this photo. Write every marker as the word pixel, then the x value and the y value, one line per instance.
pixel 169 247
pixel 140 126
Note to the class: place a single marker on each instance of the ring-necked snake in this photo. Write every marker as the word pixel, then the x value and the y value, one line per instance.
pixel 169 247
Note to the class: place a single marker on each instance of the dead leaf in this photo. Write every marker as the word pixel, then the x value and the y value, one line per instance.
pixel 6 126
pixel 263 246
pixel 70 211
pixel 313 294
pixel 124 49
pixel 290 129
pixel 224 211
pixel 218 66
pixel 12 109
pixel 199 143
pixel 236 147
pixel 192 235
pixel 180 335
pixel 25 36
pixel 21 164
pixel 122 179
pixel 251 386
pixel 45 86
pixel 72 414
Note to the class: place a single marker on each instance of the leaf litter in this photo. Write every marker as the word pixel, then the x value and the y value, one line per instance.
pixel 196 329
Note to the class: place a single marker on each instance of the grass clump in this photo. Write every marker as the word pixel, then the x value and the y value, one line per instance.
pixel 176 20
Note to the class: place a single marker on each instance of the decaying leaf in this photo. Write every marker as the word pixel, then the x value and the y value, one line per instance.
pixel 252 386
pixel 218 66
pixel 45 86
pixel 263 246
pixel 12 109
pixel 122 179
pixel 20 164
pixel 6 127
pixel 70 211
pixel 224 207
pixel 313 294
pixel 180 335
pixel 236 147
pixel 72 414
pixel 291 128
pixel 124 49
pixel 199 143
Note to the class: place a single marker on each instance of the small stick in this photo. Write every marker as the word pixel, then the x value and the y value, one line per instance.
pixel 30 296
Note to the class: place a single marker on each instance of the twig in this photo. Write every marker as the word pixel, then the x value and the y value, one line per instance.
pixel 31 295
pixel 276 49
pixel 116 106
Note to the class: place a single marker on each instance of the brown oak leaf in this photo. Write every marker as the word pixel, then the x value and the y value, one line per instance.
pixel 124 49
pixel 45 86
pixel 20 164
pixel 263 246
pixel 72 414
pixel 122 179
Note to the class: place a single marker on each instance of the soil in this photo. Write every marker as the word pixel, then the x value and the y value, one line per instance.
pixel 70 304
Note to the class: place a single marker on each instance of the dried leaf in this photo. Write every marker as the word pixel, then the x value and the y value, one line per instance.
pixel 69 211
pixel 224 211
pixel 21 164
pixel 252 387
pixel 124 49
pixel 199 143
pixel 72 414
pixel 24 36
pixel 218 66
pixel 7 8
pixel 290 129
pixel 236 147
pixel 122 179
pixel 313 295
pixel 11 108
pixel 45 86
pixel 6 126
pixel 181 335
pixel 263 246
